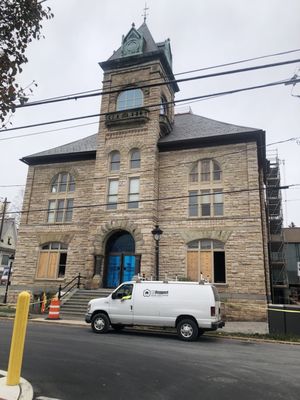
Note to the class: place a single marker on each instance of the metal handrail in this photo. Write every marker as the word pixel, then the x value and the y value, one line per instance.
pixel 77 283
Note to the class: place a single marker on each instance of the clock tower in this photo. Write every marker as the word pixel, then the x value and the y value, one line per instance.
pixel 137 110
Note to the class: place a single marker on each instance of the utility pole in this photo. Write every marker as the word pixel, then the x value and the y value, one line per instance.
pixel 3 216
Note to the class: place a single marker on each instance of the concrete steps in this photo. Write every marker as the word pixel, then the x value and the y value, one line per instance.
pixel 76 305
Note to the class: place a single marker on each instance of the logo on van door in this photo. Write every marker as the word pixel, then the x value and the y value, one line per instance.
pixel 148 293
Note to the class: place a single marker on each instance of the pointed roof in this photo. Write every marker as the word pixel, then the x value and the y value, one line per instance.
pixel 138 47
pixel 189 131
pixel 149 43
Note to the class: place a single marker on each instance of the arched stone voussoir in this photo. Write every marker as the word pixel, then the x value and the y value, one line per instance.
pixel 190 235
pixel 108 228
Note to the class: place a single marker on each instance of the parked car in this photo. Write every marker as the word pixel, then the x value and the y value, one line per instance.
pixel 190 307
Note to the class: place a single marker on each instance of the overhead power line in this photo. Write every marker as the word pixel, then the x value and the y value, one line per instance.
pixel 183 73
pixel 174 165
pixel 164 83
pixel 157 199
pixel 270 84
pixel 239 62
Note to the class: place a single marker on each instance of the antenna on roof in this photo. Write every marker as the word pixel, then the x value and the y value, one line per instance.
pixel 145 12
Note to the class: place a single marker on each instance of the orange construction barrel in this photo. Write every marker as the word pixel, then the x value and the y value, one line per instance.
pixel 54 309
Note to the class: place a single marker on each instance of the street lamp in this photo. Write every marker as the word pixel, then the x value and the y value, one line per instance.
pixel 157 232
pixel 11 259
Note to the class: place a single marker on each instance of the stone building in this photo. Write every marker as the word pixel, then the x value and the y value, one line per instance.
pixel 90 206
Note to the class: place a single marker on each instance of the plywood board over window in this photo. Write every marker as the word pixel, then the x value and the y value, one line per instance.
pixel 52 265
pixel 205 265
pixel 193 266
pixel 42 266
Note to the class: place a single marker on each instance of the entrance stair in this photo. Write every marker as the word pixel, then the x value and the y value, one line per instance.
pixel 76 305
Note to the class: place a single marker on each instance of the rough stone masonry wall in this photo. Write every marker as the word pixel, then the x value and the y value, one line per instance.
pixel 244 294
pixel 35 231
pixel 139 222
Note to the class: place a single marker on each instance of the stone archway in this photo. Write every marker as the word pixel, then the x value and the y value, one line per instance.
pixel 124 260
pixel 103 233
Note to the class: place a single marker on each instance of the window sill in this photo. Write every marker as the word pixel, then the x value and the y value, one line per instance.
pixel 50 279
pixel 224 285
pixel 59 223
pixel 208 217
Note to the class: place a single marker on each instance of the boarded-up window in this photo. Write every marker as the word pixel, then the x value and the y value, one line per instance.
pixel 206 261
pixel 52 261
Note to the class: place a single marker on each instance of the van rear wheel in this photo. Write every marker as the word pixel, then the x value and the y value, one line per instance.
pixel 187 330
pixel 100 323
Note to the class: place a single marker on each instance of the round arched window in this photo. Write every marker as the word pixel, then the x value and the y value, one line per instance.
pixel 128 99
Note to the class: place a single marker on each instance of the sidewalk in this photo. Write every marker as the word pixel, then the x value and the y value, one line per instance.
pixel 246 327
pixel 23 391
pixel 231 327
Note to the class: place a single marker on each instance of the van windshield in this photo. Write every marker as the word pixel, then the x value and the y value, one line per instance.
pixel 216 293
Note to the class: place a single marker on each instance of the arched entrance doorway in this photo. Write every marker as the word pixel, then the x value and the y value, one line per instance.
pixel 121 261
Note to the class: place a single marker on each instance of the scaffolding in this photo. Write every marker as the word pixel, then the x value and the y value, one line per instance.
pixel 278 273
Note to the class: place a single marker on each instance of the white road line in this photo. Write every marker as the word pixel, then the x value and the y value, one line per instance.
pixel 46 398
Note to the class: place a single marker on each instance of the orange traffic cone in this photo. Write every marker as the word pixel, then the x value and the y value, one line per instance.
pixel 54 309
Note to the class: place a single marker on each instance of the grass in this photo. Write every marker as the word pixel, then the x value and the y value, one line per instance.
pixel 267 336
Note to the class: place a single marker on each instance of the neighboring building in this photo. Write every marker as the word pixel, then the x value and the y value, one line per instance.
pixel 8 243
pixel 292 254
pixel 90 206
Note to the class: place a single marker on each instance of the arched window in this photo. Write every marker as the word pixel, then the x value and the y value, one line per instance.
pixel 205 189
pixel 163 106
pixel 62 182
pixel 135 158
pixel 207 170
pixel 115 160
pixel 60 204
pixel 52 261
pixel 128 99
pixel 206 261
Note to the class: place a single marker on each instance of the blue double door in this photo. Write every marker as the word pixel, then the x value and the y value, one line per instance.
pixel 120 268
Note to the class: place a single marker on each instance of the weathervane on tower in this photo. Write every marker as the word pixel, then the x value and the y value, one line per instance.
pixel 145 12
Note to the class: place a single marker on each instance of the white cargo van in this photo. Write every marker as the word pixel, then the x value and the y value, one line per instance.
pixel 190 307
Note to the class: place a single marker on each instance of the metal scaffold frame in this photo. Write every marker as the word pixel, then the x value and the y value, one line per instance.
pixel 278 273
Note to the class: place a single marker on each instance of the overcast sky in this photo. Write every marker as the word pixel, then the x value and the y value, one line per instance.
pixel 203 33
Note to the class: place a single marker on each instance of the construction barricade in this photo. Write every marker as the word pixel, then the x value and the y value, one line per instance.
pixel 54 309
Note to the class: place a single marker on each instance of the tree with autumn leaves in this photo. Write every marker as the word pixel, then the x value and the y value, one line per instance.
pixel 20 24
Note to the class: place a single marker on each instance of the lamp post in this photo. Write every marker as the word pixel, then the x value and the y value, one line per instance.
pixel 157 232
pixel 11 259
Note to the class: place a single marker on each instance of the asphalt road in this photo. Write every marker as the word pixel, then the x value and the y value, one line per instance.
pixel 72 363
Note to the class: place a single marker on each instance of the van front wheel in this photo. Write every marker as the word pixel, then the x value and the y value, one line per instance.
pixel 187 330
pixel 100 323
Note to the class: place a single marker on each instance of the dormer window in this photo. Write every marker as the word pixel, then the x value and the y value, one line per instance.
pixel 129 99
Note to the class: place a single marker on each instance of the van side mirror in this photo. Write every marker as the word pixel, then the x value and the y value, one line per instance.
pixel 114 296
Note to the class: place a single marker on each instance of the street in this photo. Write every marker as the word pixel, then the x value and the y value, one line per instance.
pixel 72 363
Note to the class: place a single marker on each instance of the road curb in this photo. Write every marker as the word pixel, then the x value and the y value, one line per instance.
pixel 22 391
pixel 232 336
pixel 251 339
